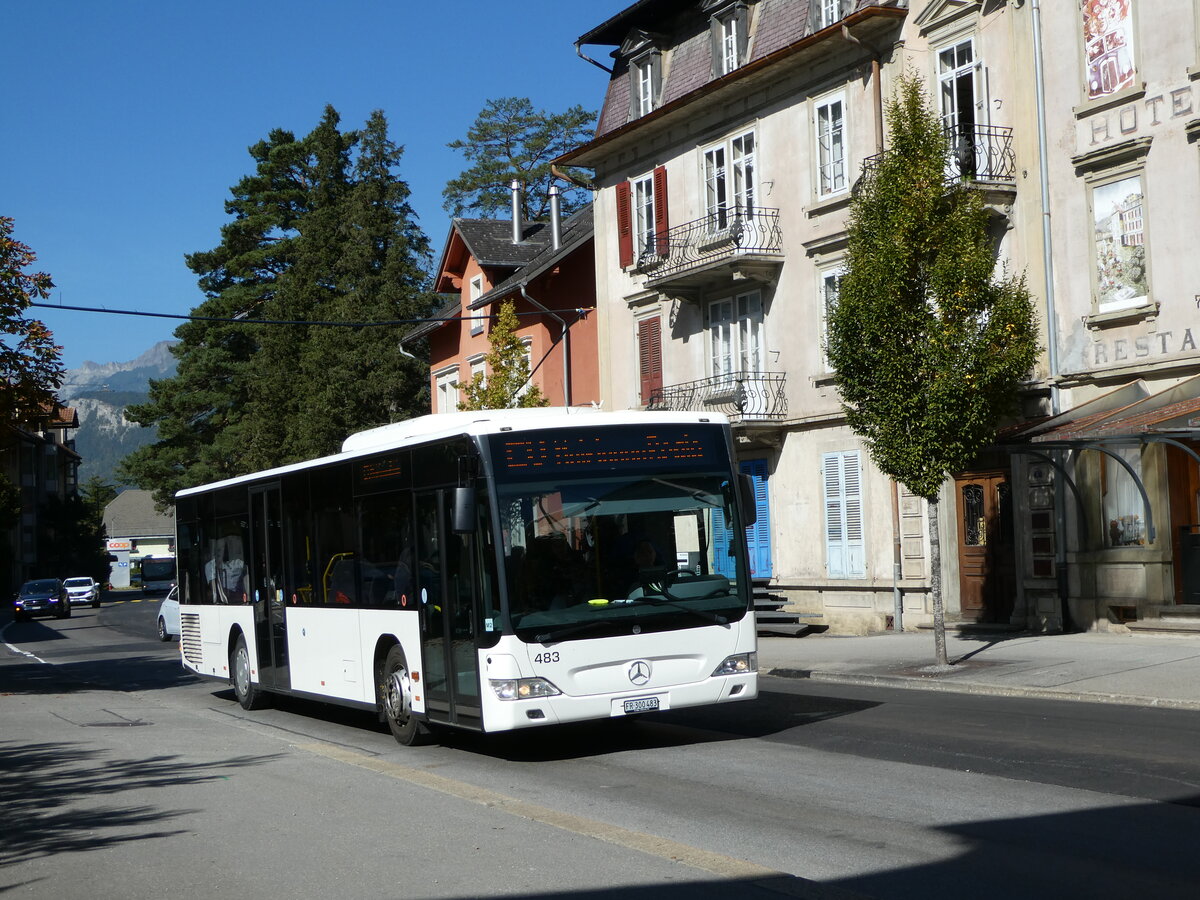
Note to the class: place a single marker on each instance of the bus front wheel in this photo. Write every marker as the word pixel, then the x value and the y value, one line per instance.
pixel 395 699
pixel 249 695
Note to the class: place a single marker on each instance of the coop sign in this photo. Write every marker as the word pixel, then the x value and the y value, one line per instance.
pixel 120 545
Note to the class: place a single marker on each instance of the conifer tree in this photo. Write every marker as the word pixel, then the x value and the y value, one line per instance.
pixel 322 232
pixel 928 345
pixel 507 370
pixel 508 140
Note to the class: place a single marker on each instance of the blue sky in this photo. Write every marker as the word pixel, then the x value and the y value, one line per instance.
pixel 127 122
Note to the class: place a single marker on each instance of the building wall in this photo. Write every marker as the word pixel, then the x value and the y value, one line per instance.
pixel 1145 131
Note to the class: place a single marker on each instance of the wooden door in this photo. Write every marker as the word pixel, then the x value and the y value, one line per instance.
pixel 1183 483
pixel 987 580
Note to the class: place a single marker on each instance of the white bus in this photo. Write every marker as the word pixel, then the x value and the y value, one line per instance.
pixel 483 570
pixel 157 573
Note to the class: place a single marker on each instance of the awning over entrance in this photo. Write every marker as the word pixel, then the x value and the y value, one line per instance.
pixel 1130 411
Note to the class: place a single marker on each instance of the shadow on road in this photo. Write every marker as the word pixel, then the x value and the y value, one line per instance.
pixel 52 797
pixel 131 673
pixel 771 714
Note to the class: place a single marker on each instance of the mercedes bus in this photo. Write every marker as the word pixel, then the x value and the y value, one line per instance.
pixel 481 570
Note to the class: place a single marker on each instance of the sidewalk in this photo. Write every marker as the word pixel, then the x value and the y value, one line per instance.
pixel 1163 670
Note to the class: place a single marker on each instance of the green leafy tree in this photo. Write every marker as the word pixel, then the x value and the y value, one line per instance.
pixel 322 232
pixel 31 368
pixel 509 140
pixel 929 346
pixel 507 367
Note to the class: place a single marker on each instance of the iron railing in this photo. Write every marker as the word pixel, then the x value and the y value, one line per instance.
pixel 723 234
pixel 977 153
pixel 744 396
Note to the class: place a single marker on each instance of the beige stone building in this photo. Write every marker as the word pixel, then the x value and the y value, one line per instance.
pixel 729 142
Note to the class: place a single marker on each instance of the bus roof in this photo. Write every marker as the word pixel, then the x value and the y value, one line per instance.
pixel 424 429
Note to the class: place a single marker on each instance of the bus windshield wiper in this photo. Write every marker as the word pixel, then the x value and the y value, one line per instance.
pixel 677 604
pixel 553 637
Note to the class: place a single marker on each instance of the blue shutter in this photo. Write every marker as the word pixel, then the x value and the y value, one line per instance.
pixel 723 563
pixel 758 535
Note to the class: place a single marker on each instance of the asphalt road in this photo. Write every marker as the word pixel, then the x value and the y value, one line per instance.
pixel 122 775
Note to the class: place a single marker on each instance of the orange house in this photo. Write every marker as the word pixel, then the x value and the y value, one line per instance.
pixel 548 271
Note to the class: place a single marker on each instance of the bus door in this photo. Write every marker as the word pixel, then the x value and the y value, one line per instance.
pixel 266 582
pixel 447 586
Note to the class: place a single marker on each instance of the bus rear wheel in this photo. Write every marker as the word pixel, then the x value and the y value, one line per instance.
pixel 395 700
pixel 249 695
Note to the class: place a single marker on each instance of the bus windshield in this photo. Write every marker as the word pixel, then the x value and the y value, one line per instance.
pixel 588 557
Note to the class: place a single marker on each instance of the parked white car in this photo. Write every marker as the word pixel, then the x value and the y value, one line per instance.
pixel 168 616
pixel 83 590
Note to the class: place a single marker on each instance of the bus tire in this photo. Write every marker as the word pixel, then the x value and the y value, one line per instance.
pixel 249 695
pixel 395 701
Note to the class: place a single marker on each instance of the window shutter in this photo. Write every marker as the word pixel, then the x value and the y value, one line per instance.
pixel 624 224
pixel 742 16
pixel 650 357
pixel 844 545
pixel 714 34
pixel 661 222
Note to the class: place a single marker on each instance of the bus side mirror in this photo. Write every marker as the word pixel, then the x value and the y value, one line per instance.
pixel 464 510
pixel 749 505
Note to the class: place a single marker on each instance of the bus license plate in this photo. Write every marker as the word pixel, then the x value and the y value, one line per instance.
pixel 641 704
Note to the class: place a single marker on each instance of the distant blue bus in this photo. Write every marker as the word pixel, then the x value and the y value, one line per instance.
pixel 158 573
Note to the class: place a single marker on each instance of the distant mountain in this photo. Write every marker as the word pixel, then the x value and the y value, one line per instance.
pixel 100 392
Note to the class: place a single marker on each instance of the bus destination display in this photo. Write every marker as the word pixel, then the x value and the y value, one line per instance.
pixel 615 448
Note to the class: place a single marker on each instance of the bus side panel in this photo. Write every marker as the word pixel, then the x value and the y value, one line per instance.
pixel 404 625
pixel 325 654
pixel 217 624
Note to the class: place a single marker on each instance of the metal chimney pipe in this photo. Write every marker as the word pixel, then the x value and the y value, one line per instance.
pixel 516 211
pixel 555 224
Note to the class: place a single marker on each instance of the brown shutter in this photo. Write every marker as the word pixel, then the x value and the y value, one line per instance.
pixel 624 224
pixel 650 358
pixel 661 224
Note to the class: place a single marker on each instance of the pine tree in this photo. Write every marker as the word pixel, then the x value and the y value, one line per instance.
pixel 322 232
pixel 929 347
pixel 507 370
pixel 508 140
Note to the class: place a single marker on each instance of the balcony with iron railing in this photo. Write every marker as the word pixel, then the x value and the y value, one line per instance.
pixel 743 396
pixel 748 241
pixel 978 153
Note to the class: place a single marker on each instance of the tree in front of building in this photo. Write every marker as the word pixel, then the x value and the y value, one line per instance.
pixel 70 543
pixel 506 384
pixel 510 140
pixel 928 344
pixel 31 368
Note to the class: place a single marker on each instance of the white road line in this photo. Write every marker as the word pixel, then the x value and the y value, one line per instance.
pixel 18 649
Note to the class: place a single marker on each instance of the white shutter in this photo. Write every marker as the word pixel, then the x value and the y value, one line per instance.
pixel 844 543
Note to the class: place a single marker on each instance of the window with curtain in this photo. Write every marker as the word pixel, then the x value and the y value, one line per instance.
pixel 1124 521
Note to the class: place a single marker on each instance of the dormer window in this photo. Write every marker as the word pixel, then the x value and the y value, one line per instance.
pixel 643 49
pixel 645 74
pixel 829 12
pixel 730 38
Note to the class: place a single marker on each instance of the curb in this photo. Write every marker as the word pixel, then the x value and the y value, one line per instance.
pixel 980 688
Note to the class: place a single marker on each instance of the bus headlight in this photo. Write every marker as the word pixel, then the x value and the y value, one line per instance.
pixel 523 688
pixel 739 664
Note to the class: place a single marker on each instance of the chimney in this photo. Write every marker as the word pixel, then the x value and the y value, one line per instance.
pixel 516 211
pixel 555 224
